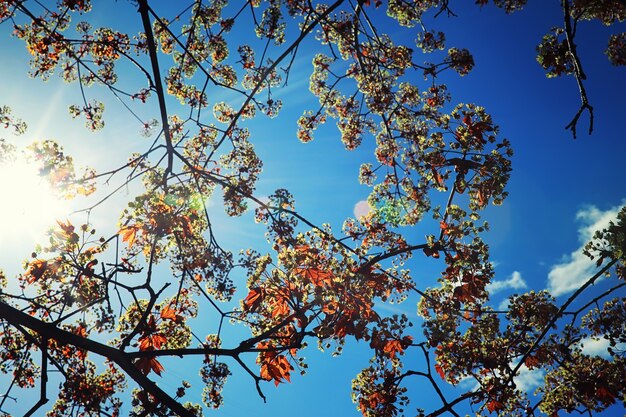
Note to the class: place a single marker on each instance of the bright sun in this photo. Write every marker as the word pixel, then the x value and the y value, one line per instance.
pixel 28 206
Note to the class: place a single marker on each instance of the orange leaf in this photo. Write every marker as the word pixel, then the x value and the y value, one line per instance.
pixel 279 307
pixel 158 340
pixel 318 277
pixel 81 331
pixel 438 178
pixel 480 196
pixel 392 347
pixel 156 366
pixel 68 228
pixel 276 368
pixel 331 307
pixel 129 234
pixel 151 342
pixel 35 270
pixel 302 249
pixel 145 343
pixel 169 313
pixel 253 299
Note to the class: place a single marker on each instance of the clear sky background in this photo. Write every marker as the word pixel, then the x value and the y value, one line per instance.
pixel 561 189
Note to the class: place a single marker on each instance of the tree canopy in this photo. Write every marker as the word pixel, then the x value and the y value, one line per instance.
pixel 96 318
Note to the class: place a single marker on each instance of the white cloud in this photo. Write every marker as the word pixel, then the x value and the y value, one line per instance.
pixel 526 379
pixel 529 379
pixel 362 208
pixel 595 219
pixel 595 347
pixel 515 281
pixel 577 268
pixel 504 305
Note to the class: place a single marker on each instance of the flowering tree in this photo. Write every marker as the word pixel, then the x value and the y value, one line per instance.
pixel 94 311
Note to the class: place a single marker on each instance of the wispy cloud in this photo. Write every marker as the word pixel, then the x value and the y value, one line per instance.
pixel 515 282
pixel 576 268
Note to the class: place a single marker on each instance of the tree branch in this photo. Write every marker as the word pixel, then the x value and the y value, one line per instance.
pixel 579 74
pixel 558 315
pixel 158 84
pixel 16 317
pixel 44 379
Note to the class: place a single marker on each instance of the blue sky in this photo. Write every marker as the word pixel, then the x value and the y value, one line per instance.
pixel 560 189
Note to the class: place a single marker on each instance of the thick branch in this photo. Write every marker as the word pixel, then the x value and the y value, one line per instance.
pixel 158 84
pixel 16 317
pixel 579 74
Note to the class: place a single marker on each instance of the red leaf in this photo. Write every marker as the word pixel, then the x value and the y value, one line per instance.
pixel 604 395
pixel 253 299
pixel 145 365
pixel 394 346
pixel 466 293
pixel 440 371
pixel 531 361
pixel 494 405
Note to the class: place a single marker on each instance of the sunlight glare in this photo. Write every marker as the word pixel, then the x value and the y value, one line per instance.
pixel 28 205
